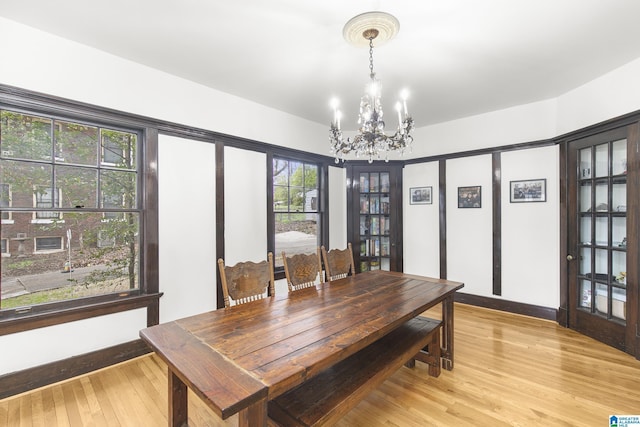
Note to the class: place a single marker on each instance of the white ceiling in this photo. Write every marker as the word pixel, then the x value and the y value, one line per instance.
pixel 457 57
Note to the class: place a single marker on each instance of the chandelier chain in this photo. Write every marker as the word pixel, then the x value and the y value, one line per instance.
pixel 371 58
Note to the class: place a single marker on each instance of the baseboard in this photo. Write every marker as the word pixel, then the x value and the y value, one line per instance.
pixel 39 376
pixel 508 306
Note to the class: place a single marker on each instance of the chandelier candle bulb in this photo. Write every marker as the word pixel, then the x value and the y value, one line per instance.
pixel 404 95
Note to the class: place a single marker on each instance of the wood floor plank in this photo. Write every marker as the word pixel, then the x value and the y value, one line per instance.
pixel 510 370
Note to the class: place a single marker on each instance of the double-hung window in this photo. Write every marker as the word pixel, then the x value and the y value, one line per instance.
pixel 75 209
pixel 296 210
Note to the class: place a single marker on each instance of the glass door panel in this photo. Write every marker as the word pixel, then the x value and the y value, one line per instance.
pixel 602 231
pixel 602 160
pixel 619 155
pixel 585 197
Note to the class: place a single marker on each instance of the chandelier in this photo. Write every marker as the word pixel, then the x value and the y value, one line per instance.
pixel 371 141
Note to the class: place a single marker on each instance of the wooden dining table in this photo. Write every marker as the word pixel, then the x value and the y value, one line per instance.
pixel 238 358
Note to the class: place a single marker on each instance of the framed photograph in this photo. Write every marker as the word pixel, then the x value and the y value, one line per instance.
pixel 420 195
pixel 530 190
pixel 470 197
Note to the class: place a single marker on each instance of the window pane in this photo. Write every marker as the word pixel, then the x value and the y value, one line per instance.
pixel 76 143
pixel 296 199
pixel 311 176
pixel 119 149
pixel 280 172
pixel 79 185
pixel 280 198
pixel 101 259
pixel 22 177
pixel 25 137
pixel 296 233
pixel 116 184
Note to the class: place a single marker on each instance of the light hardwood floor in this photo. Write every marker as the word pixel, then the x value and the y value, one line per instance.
pixel 509 370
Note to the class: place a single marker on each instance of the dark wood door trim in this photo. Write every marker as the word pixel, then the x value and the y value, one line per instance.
pixel 442 200
pixel 497 223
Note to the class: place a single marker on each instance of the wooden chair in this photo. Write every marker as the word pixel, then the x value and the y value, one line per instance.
pixel 247 281
pixel 302 270
pixel 338 263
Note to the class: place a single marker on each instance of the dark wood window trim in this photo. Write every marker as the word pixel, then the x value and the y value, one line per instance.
pixel 24 319
pixel 55 316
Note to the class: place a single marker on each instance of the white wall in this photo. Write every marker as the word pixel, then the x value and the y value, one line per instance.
pixel 531 231
pixel 245 206
pixel 78 72
pixel 39 346
pixel 337 208
pixel 469 230
pixel 524 123
pixel 421 223
pixel 611 95
pixel 187 227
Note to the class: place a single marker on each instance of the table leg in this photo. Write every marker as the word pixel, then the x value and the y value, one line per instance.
pixel 177 401
pixel 447 333
pixel 254 416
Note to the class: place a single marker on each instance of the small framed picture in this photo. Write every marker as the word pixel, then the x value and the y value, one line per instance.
pixel 420 195
pixel 470 197
pixel 530 190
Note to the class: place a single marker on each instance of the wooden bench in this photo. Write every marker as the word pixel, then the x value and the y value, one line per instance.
pixel 328 396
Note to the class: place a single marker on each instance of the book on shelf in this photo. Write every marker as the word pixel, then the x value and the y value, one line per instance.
pixel 364 182
pixel 374 183
pixel 384 182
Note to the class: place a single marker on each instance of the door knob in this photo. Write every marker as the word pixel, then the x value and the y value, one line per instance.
pixel 570 258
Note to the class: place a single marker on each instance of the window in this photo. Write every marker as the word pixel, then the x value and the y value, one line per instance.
pixel 44 197
pixel 3 248
pixel 86 174
pixel 5 202
pixel 295 207
pixel 48 244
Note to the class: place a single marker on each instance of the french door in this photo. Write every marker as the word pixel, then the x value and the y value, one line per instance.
pixel 602 240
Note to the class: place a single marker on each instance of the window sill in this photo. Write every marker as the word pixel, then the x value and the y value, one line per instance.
pixel 25 319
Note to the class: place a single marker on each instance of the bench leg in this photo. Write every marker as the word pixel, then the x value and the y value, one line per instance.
pixel 411 363
pixel 434 353
pixel 431 354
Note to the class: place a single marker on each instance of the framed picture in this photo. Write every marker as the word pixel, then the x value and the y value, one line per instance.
pixel 530 190
pixel 470 197
pixel 420 195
